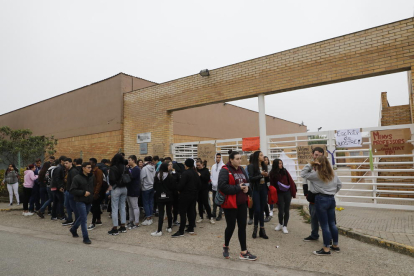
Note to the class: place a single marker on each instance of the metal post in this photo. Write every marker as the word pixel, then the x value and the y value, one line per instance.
pixel 262 125
pixel 19 160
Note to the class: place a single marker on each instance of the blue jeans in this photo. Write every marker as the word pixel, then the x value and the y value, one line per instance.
pixel 118 198
pixel 259 202
pixel 68 207
pixel 48 202
pixel 81 220
pixel 314 221
pixel 148 202
pixel 325 211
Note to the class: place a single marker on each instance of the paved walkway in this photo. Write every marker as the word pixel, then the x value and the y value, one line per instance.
pixel 392 225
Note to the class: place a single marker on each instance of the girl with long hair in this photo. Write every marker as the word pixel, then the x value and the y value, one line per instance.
pixel 286 189
pixel 11 178
pixel 258 173
pixel 326 184
pixel 164 184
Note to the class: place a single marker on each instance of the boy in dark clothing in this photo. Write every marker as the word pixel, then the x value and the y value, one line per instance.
pixel 203 192
pixel 69 201
pixel 58 187
pixel 82 190
pixel 188 187
pixel 96 204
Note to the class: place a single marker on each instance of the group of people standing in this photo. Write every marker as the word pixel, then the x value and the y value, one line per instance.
pixel 167 188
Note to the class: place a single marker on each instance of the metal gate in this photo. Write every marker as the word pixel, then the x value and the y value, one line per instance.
pixel 390 184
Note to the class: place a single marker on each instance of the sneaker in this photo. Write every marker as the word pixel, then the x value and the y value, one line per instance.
pixel 219 218
pixel 67 222
pixel 29 214
pixel 49 213
pixel 74 234
pixel 62 218
pixel 18 203
pixel 176 223
pixel 271 214
pixel 267 219
pixel 200 220
pixel 113 232
pixel 212 221
pixel 122 229
pixel 247 256
pixel 250 222
pixel 98 223
pixel 178 234
pixel 91 227
pixel 190 231
pixel 11 204
pixel 284 230
pixel 52 218
pixel 278 227
pixel 169 230
pixel 150 222
pixel 335 249
pixel 87 241
pixel 226 253
pixel 23 214
pixel 133 226
pixel 308 239
pixel 322 253
pixel 40 214
pixel 156 234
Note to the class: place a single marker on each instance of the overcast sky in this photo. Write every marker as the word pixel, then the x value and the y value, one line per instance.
pixel 51 47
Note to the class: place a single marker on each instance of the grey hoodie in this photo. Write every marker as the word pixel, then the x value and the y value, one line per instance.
pixel 147 177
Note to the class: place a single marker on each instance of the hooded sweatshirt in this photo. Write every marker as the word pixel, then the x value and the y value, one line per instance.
pixel 147 177
pixel 29 178
pixel 215 171
pixel 204 178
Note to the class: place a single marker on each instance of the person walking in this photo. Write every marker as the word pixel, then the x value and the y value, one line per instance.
pixel 286 189
pixel 258 173
pixel 164 184
pixel 147 181
pixel 232 183
pixel 82 190
pixel 118 194
pixel 188 188
pixel 203 192
pixel 134 189
pixel 11 179
pixel 326 184
pixel 29 179
pixel 215 170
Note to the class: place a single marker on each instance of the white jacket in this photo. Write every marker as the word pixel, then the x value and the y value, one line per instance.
pixel 215 170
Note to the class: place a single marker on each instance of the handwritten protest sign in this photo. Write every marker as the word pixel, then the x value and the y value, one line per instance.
pixel 348 138
pixel 158 150
pixel 304 153
pixel 391 142
pixel 207 152
pixel 251 144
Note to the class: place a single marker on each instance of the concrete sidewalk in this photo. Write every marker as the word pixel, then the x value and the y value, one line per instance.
pixel 392 229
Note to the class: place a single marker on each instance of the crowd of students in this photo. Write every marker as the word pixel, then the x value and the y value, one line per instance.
pixel 164 188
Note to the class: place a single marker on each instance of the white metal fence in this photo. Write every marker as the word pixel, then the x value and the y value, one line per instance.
pixel 361 186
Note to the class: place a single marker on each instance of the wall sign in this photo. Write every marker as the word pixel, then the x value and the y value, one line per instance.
pixel 391 142
pixel 348 138
pixel 143 148
pixel 144 137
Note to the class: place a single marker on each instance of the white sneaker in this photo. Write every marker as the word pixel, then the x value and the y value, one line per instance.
pixel 150 222
pixel 279 227
pixel 169 230
pixel 156 234
pixel 23 213
pixel 212 221
pixel 29 214
pixel 200 220
pixel 285 231
pixel 145 222
pixel 271 214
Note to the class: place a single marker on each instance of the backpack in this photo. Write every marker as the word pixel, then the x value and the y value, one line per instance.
pixel 48 176
pixel 125 179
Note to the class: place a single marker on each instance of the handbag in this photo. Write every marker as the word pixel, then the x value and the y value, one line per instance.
pixel 219 198
pixel 250 202
pixel 283 187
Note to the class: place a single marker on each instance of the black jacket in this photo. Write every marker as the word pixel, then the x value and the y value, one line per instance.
pixel 254 177
pixel 166 186
pixel 80 184
pixel 71 174
pixel 204 178
pixel 189 183
pixel 115 175
pixel 58 177
pixel 103 168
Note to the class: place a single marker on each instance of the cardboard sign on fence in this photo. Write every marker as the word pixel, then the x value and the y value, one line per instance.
pixel 391 142
pixel 304 153
pixel 207 152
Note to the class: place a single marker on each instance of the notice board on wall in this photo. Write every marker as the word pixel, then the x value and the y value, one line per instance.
pixel 391 142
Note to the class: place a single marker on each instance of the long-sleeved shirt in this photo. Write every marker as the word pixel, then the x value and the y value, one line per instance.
pixel 29 179
pixel 328 188
pixel 215 171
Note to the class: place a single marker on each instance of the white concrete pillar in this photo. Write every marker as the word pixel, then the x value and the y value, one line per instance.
pixel 262 125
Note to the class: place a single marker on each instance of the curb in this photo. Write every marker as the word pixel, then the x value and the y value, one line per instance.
pixel 394 246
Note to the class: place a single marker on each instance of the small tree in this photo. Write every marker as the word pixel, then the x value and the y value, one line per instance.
pixel 317 141
pixel 13 142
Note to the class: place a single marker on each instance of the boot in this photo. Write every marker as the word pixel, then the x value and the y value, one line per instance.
pixel 262 233
pixel 254 235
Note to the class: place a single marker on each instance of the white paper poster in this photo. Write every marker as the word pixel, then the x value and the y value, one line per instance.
pixel 349 138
